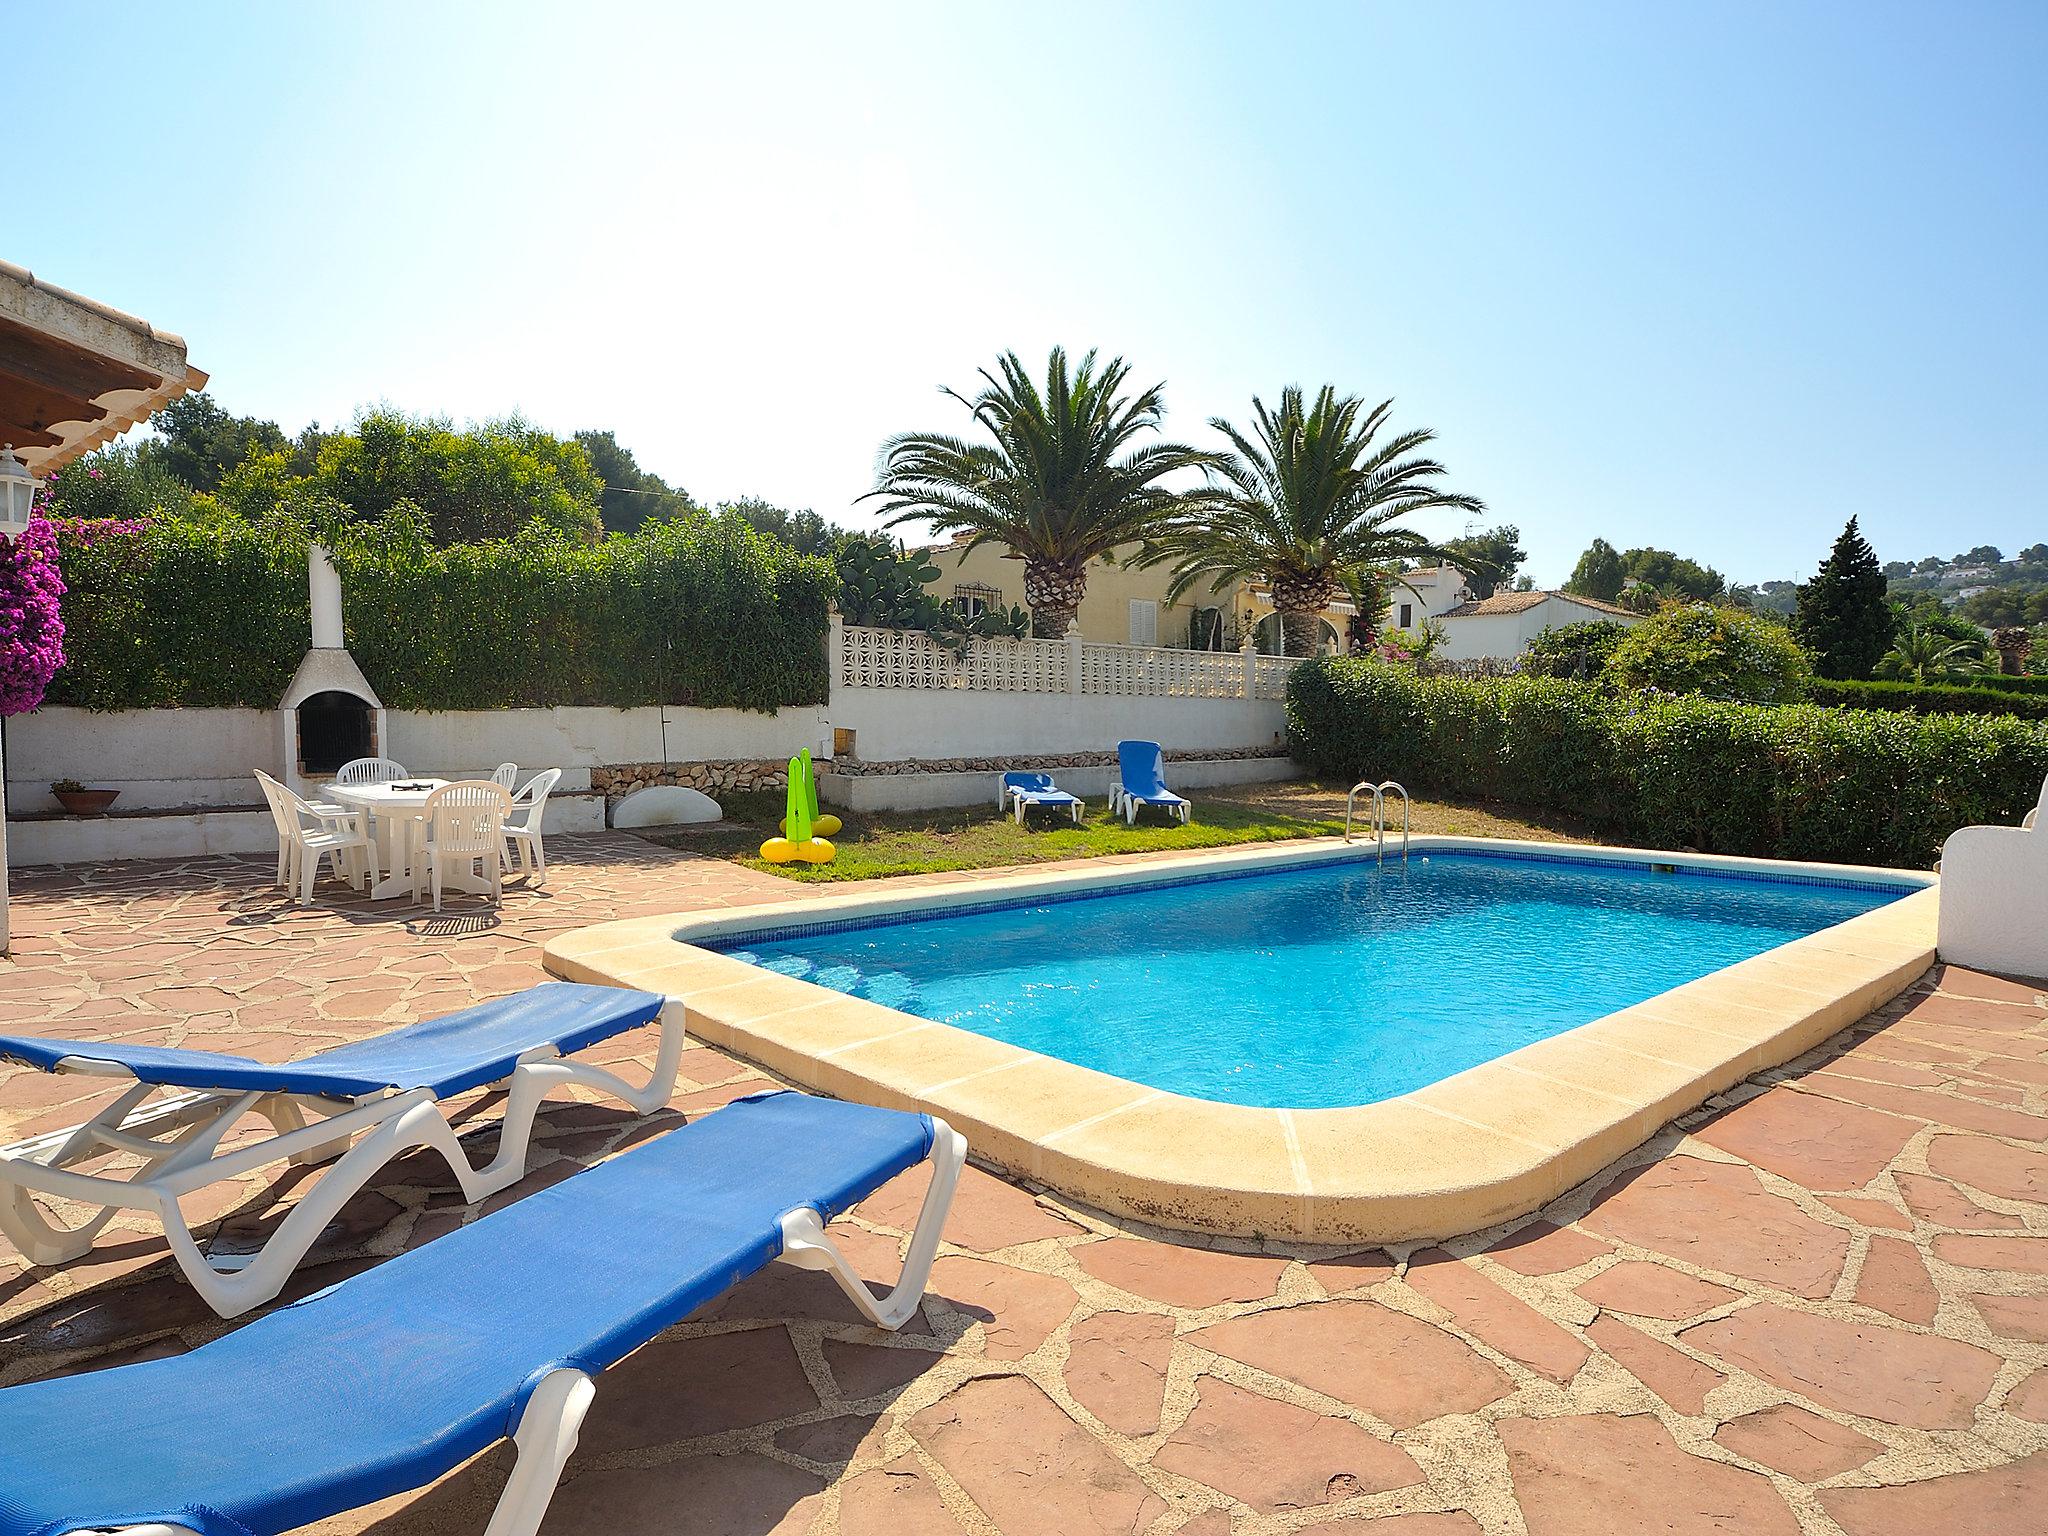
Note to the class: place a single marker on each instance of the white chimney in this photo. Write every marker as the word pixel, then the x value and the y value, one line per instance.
pixel 324 585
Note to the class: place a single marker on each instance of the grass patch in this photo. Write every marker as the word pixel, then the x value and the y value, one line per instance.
pixel 930 842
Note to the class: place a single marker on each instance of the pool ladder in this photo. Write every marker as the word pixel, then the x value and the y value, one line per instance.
pixel 1379 812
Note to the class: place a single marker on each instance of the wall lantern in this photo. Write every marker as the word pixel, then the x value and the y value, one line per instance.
pixel 17 494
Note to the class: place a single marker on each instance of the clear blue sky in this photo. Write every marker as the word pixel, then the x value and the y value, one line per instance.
pixel 1711 277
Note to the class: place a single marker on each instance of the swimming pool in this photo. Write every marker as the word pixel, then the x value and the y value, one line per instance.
pixel 1314 987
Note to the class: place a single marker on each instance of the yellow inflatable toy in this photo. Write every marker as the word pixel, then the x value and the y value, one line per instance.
pixel 801 823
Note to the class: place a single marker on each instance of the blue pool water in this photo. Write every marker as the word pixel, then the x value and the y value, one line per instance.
pixel 1319 985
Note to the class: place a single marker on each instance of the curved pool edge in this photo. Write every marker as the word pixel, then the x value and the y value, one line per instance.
pixel 1480 1147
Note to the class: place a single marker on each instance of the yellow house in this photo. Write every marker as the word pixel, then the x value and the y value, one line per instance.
pixel 1126 606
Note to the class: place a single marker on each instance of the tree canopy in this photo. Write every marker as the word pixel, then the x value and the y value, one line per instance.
pixel 1490 558
pixel 1845 619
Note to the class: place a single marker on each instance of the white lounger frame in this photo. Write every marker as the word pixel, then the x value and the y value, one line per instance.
pixel 553 1416
pixel 178 1137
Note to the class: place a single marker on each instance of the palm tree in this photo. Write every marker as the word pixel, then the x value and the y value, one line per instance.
pixel 1311 505
pixel 1065 481
pixel 1924 655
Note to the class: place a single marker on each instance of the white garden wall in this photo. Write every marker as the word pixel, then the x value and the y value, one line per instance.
pixel 892 724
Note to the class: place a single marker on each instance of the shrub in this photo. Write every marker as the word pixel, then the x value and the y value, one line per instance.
pixel 1781 781
pixel 1931 698
pixel 31 627
pixel 700 611
pixel 1719 653
pixel 1574 650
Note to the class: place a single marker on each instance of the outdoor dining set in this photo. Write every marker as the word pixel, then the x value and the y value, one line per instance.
pixel 392 834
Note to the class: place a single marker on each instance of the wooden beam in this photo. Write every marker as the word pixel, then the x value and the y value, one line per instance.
pixel 28 411
pixel 36 358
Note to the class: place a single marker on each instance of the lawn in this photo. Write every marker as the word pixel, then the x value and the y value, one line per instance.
pixel 976 837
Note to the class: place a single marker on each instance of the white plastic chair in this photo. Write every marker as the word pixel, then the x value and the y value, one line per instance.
pixel 370 770
pixel 505 775
pixel 308 833
pixel 465 825
pixel 522 829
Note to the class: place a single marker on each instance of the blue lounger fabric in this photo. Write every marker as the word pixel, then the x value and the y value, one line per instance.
pixel 391 1378
pixel 450 1055
pixel 1038 789
pixel 1141 765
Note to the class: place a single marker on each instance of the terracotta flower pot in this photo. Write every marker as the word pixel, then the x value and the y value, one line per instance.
pixel 86 802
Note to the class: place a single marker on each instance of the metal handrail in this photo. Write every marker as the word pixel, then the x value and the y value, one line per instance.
pixel 1351 799
pixel 1379 813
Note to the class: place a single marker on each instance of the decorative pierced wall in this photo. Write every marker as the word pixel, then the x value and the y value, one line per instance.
pixel 897 658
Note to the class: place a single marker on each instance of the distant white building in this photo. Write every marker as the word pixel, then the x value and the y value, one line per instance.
pixel 1503 625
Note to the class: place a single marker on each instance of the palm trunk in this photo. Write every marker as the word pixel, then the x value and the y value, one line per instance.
pixel 1300 598
pixel 1053 590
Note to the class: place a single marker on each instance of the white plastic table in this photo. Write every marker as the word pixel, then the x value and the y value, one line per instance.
pixel 399 818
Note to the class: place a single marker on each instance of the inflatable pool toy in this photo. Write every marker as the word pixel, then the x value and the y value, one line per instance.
pixel 801 824
pixel 826 825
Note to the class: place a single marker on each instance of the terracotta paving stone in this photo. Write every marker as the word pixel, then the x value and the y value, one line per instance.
pixel 894 1500
pixel 1019 1309
pixel 1998 1501
pixel 864 1370
pixel 1352 1272
pixel 1991 1167
pixel 1116 1368
pixel 1942 1109
pixel 1824 1145
pixel 1719 1217
pixel 1180 1277
pixel 2022 1255
pixel 194 952
pixel 1879 1071
pixel 1029 1467
pixel 743 1495
pixel 1939 1203
pixel 727 1381
pixel 1895 1281
pixel 1869 1212
pixel 1958 982
pixel 987 1214
pixel 1799 1443
pixel 2029 1400
pixel 2016 1317
pixel 1276 1457
pixel 1538 1248
pixel 1395 1367
pixel 1496 1318
pixel 1974 1013
pixel 1596 1475
pixel 1881 1373
pixel 1650 1290
pixel 1673 1375
pixel 834 1442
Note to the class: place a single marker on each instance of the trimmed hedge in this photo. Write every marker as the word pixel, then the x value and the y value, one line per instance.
pixel 1929 698
pixel 1798 781
pixel 705 611
pixel 2006 684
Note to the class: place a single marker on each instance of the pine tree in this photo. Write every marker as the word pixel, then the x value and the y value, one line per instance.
pixel 1844 618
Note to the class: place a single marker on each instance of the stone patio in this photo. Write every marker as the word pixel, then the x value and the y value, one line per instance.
pixel 1819 1305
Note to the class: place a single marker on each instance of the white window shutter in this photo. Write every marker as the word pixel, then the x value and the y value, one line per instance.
pixel 1144 622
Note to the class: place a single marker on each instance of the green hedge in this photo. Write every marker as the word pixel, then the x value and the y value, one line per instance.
pixel 1929 698
pixel 2006 684
pixel 705 611
pixel 1782 781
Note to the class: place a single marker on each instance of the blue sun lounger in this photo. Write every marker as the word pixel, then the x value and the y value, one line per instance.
pixel 395 1376
pixel 1141 782
pixel 387 1090
pixel 1021 792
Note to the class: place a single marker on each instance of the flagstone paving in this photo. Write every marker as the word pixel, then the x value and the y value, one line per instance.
pixel 1819 1305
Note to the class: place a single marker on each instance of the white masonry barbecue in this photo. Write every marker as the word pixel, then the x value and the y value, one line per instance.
pixel 330 714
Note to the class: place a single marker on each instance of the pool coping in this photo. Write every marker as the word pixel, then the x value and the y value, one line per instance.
pixel 1484 1145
